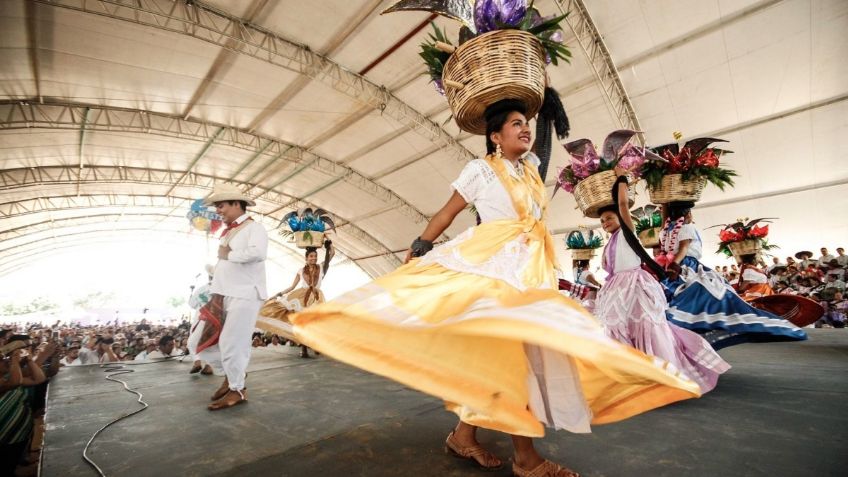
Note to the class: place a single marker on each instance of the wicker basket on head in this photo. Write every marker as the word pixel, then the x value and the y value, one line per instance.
pixel 674 189
pixel 501 64
pixel 308 239
pixel 595 192
pixel 650 238
pixel 582 253
pixel 745 247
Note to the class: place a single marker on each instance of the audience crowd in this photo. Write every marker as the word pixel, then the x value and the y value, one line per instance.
pixel 821 279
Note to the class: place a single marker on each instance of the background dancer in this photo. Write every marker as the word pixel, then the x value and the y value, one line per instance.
pixel 631 304
pixel 309 293
pixel 700 299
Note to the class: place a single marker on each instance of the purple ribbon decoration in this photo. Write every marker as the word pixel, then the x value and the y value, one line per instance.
pixel 492 14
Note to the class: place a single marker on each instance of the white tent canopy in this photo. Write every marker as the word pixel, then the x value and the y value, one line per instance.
pixel 116 114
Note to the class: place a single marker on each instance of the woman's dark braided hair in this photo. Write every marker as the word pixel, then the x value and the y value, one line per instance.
pixel 628 234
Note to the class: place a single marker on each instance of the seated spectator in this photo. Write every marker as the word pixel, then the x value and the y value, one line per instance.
pixel 166 348
pixel 151 347
pixel 826 257
pixel 733 277
pixel 841 258
pixel 275 342
pixel 775 262
pixel 72 355
pixel 833 281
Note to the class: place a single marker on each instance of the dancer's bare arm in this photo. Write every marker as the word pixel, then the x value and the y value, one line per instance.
pixel 442 220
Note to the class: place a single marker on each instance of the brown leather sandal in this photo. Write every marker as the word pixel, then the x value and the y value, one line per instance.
pixel 195 369
pixel 207 370
pixel 222 391
pixel 232 398
pixel 545 469
pixel 482 458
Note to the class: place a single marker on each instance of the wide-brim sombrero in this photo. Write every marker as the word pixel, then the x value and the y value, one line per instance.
pixel 797 310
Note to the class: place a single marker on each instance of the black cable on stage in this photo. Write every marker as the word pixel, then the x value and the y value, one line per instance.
pixel 119 369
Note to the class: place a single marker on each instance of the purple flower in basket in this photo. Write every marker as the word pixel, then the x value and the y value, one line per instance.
pixel 632 159
pixel 440 87
pixel 492 14
pixel 584 158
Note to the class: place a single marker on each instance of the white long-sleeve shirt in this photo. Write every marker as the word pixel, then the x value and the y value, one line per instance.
pixel 242 274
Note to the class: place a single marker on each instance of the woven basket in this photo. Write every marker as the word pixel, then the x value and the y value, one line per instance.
pixel 674 189
pixel 595 192
pixel 582 253
pixel 650 238
pixel 501 64
pixel 745 247
pixel 308 239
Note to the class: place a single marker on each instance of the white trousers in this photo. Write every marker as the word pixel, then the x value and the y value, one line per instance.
pixel 232 353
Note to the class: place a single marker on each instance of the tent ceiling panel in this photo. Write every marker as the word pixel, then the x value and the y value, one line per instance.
pixel 240 89
pixel 308 114
pixel 385 226
pixel 309 23
pixel 425 183
pixel 442 118
pixel 349 201
pixel 420 93
pixel 383 158
pixel 98 60
pixel 357 136
pixel 379 34
pixel 16 75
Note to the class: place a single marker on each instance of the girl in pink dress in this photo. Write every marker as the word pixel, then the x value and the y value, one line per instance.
pixel 631 304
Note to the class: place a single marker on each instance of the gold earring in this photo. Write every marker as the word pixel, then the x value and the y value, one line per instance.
pixel 498 151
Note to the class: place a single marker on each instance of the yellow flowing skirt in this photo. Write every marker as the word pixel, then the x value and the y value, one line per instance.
pixel 274 315
pixel 471 340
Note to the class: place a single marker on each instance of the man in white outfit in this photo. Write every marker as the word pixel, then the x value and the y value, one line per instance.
pixel 238 291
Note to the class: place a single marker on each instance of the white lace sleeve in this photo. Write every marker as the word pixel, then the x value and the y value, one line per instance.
pixel 475 176
pixel 688 232
pixel 532 158
pixel 753 276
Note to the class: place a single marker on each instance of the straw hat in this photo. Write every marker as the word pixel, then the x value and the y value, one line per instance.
pixel 800 255
pixel 796 309
pixel 227 192
pixel 210 269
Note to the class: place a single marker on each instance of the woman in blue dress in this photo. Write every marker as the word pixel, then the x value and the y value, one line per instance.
pixel 700 299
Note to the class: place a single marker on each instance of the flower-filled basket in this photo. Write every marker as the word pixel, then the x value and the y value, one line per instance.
pixel 648 223
pixel 583 244
pixel 590 177
pixel 744 237
pixel 686 171
pixel 501 53
pixel 306 226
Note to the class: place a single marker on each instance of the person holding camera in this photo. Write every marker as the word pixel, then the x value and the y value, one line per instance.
pixel 16 394
pixel 98 351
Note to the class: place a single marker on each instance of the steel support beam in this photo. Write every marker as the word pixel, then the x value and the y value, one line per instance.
pixel 217 27
pixel 592 44
pixel 27 114
pixel 18 179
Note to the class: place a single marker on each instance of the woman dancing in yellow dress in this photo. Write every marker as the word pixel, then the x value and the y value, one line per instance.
pixel 273 316
pixel 479 323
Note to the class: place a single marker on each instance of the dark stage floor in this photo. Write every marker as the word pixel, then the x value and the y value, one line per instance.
pixel 781 411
